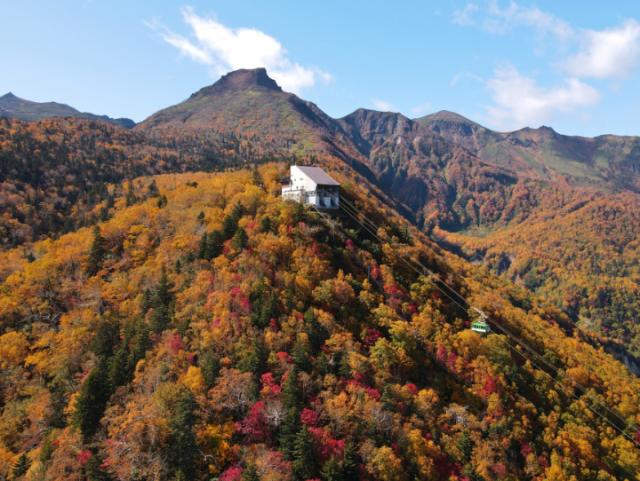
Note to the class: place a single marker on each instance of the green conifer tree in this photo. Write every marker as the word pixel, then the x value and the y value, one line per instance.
pixel 350 462
pixel 182 447
pixel 210 367
pixel 97 253
pixel 92 400
pixel 162 303
pixel 304 465
pixel 240 239
pixel 21 466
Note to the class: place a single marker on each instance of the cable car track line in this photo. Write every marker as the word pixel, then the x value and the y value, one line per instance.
pixel 619 418
pixel 352 211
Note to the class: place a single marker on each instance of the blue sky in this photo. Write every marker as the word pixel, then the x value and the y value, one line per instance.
pixel 572 65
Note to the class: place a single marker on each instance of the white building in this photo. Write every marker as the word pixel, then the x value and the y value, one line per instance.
pixel 312 185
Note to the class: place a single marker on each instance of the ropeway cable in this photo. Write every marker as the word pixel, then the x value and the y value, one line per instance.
pixel 352 211
pixel 467 305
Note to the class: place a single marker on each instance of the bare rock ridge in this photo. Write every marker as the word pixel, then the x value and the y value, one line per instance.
pixel 240 80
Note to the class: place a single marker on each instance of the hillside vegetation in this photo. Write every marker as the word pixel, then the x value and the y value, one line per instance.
pixel 211 330
pixel 55 173
pixel 584 258
pixel 13 107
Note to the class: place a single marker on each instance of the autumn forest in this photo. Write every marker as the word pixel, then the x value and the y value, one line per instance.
pixel 166 315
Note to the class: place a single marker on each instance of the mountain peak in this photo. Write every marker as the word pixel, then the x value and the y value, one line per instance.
pixel 242 79
pixel 445 115
pixel 8 96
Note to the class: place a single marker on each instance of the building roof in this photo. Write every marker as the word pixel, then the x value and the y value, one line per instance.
pixel 318 175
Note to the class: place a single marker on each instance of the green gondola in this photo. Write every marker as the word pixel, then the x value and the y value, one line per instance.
pixel 481 325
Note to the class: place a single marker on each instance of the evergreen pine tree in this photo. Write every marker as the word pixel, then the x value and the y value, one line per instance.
pixel 119 368
pixel 292 401
pixel 344 370
pixel 256 178
pixel 132 349
pixel 230 222
pixel 265 224
pixel 182 446
pixel 21 466
pixel 465 446
pixel 210 367
pixel 92 400
pixel 147 299
pixel 202 249
pixel 162 201
pixel 152 189
pixel 97 253
pixel 332 470
pixel 162 303
pixel 300 356
pixel 56 416
pixel 264 305
pixel 316 332
pixel 130 198
pixel 291 395
pixel 240 239
pixel 105 339
pixel 304 465
pixel 350 462
pixel 215 243
pixel 46 451
pixel 256 359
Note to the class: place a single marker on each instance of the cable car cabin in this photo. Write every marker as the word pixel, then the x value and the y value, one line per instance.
pixel 480 326
pixel 312 186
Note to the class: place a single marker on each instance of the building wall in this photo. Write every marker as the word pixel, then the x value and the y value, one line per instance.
pixel 303 189
pixel 300 181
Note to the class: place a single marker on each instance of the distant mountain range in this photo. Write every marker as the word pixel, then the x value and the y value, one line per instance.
pixel 250 102
pixel 557 214
pixel 16 108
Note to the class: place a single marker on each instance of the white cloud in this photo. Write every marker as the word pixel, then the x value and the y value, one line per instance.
pixel 421 109
pixel 223 49
pixel 383 105
pixel 495 18
pixel 457 78
pixel 519 101
pixel 607 53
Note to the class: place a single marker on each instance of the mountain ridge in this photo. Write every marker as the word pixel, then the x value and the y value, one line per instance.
pixel 12 106
pixel 445 173
pixel 195 325
pixel 452 174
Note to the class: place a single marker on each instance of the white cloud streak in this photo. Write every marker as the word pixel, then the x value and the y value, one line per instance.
pixel 222 49
pixel 609 53
pixel 499 19
pixel 382 105
pixel 519 101
pixel 422 109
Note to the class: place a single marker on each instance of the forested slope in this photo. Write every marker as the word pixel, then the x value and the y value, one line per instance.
pixel 212 330
pixel 55 173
